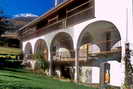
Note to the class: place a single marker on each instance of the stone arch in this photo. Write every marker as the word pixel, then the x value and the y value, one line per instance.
pixel 105 36
pixel 62 53
pixel 62 40
pixel 28 48
pixel 28 51
pixel 102 27
pixel 41 47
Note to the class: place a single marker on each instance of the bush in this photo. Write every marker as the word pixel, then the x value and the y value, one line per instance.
pixel 41 63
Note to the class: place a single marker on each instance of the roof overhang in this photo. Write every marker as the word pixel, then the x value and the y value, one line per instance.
pixel 49 13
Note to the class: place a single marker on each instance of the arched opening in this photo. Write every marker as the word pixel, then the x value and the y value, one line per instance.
pixel 41 49
pixel 28 51
pixel 63 55
pixel 98 44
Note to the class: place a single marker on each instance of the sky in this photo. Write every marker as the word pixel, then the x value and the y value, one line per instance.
pixel 15 7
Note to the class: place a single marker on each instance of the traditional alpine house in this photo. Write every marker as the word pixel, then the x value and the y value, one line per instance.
pixel 83 40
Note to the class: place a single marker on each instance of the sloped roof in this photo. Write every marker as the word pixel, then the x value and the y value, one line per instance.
pixel 49 13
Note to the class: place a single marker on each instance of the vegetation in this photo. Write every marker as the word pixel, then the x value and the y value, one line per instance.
pixel 41 62
pixel 5 23
pixel 7 50
pixel 21 79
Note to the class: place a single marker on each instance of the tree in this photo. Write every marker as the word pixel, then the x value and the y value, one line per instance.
pixel 5 23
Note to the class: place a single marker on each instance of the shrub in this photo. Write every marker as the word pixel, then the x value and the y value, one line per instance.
pixel 41 63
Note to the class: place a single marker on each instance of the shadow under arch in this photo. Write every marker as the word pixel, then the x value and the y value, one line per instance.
pixel 62 53
pixel 42 48
pixel 104 35
pixel 28 48
pixel 62 40
pixel 101 26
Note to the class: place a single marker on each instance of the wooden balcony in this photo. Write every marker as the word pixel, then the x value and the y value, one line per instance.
pixel 64 18
pixel 113 54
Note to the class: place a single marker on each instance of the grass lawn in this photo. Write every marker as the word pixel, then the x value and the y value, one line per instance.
pixel 20 79
pixel 7 50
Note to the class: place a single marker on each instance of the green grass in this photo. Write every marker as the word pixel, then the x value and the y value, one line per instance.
pixel 7 50
pixel 20 79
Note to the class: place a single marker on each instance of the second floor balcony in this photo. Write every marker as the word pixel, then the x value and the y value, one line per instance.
pixel 73 14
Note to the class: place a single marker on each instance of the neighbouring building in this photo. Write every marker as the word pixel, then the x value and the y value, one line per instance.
pixel 83 40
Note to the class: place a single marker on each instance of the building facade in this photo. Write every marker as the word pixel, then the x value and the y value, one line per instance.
pixel 83 40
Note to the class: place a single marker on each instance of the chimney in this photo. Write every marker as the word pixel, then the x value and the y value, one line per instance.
pixel 57 2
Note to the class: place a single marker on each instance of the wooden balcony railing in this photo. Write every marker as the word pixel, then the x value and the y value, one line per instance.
pixel 84 57
pixel 72 16
pixel 85 54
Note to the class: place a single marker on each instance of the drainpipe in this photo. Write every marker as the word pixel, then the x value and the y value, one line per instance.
pixel 56 3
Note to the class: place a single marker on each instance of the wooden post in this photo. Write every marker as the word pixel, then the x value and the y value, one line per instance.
pixel 108 38
pixel 87 50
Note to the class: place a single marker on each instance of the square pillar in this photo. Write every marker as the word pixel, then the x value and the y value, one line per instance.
pixel 50 63
pixel 76 78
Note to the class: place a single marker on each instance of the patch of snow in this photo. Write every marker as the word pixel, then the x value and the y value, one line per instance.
pixel 25 15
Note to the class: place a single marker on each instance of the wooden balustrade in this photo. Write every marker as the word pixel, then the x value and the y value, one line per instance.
pixel 62 56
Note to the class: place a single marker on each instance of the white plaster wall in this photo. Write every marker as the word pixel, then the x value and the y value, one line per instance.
pixel 48 38
pixel 95 71
pixel 105 10
pixel 114 11
pixel 120 24
pixel 115 73
pixel 130 21
pixel 95 75
pixel 130 25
